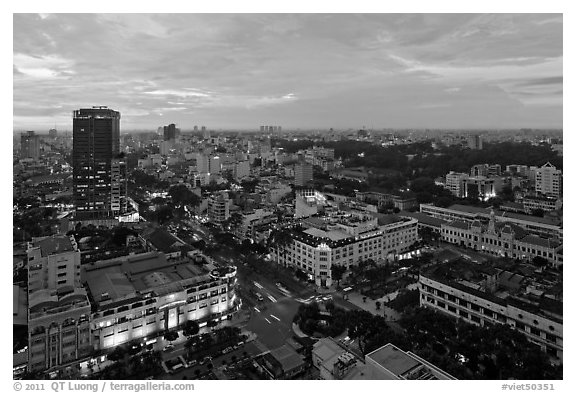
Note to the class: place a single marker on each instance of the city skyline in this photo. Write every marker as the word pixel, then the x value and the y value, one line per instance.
pixel 243 70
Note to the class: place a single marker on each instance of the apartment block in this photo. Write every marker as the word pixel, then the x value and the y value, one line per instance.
pixel 484 295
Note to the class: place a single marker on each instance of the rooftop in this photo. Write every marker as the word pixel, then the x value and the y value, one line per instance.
pixel 287 357
pixel 393 359
pixel 424 218
pixel 405 365
pixel 333 235
pixel 125 277
pixel 53 245
pixel 163 240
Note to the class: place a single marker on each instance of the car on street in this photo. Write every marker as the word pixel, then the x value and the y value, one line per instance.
pixel 168 347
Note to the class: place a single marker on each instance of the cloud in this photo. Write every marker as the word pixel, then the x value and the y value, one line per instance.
pixel 43 67
pixel 298 70
pixel 184 93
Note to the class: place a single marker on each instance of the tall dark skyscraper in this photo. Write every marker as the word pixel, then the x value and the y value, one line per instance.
pixel 170 132
pixel 99 170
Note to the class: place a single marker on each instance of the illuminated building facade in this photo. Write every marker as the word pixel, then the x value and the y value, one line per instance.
pixel 346 239
pixel 144 295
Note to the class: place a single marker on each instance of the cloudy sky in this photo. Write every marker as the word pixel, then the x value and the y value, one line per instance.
pixel 239 71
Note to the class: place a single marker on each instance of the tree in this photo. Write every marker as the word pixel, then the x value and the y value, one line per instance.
pixel 117 354
pixel 337 272
pixel 171 336
pixel 235 221
pixel 280 239
pixel 191 328
pixel 472 194
pixel 539 261
pixel 182 196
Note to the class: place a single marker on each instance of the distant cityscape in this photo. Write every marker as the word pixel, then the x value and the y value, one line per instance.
pixel 174 254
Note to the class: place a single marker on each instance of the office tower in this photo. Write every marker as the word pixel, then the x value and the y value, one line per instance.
pixel 96 144
pixel 266 145
pixel 53 133
pixel 195 128
pixel 205 132
pixel 262 129
pixel 475 142
pixel 549 180
pixel 302 174
pixel 202 163
pixel 58 305
pixel 30 145
pixel 170 132
pixel 215 165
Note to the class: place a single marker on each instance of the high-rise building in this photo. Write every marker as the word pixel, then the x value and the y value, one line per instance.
pixel 475 142
pixel 302 174
pixel 219 208
pixel 215 165
pixel 58 305
pixel 170 132
pixel 205 132
pixel 30 145
pixel 455 183
pixel 53 133
pixel 549 180
pixel 241 169
pixel 96 144
pixel 202 163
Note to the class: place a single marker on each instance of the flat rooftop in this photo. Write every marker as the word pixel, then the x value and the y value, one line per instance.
pixel 125 276
pixel 333 235
pixel 53 245
pixel 394 360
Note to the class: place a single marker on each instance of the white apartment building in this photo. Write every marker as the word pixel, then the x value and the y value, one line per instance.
pixel 476 294
pixel 58 306
pixel 455 183
pixel 549 180
pixel 219 207
pixel 347 239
